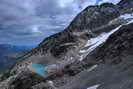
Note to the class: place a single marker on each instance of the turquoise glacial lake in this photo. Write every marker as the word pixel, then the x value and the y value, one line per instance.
pixel 39 69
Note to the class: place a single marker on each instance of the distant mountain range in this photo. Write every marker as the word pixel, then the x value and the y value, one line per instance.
pixel 9 54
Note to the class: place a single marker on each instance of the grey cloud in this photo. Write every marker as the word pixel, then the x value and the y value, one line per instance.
pixel 30 21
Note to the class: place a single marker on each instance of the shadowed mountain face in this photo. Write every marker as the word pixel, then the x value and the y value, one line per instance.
pixel 114 68
pixel 10 53
pixel 94 51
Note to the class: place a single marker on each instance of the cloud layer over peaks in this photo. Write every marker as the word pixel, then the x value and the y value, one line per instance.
pixel 30 21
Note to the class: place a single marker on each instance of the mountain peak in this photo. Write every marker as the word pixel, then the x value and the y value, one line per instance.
pixel 125 5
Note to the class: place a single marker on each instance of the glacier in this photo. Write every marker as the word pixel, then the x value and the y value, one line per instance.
pixel 93 43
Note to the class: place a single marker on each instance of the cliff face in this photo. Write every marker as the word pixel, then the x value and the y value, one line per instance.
pixel 125 5
pixel 92 18
pixel 114 68
pixel 118 48
pixel 98 42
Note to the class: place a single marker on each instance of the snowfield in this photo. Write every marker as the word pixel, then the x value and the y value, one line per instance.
pixel 93 43
pixel 94 87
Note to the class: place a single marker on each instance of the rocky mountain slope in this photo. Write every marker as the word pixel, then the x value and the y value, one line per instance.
pixel 93 52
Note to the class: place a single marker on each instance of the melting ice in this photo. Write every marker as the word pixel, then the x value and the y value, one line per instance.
pixel 97 41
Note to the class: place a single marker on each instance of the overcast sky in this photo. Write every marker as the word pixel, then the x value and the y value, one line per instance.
pixel 27 22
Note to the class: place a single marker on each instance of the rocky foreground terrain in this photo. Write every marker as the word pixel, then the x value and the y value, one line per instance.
pixel 94 52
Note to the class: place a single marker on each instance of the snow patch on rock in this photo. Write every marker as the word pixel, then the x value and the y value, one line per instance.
pixel 92 68
pixel 94 87
pixel 93 43
pixel 127 16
